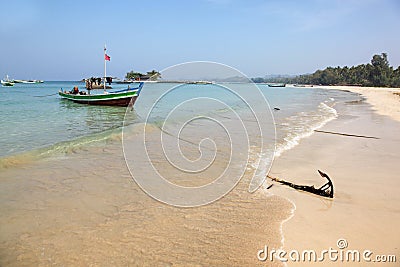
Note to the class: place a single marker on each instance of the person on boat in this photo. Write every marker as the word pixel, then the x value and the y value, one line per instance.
pixel 75 90
pixel 109 80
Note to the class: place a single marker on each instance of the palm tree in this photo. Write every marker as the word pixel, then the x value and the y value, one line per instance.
pixel 154 75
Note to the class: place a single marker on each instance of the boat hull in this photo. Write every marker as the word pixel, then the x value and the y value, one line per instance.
pixel 121 100
pixel 29 82
pixel 6 83
pixel 277 85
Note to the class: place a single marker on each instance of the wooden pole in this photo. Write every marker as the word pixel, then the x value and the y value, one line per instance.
pixel 105 68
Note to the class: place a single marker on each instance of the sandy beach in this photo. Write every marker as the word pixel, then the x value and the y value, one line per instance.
pixel 200 133
pixel 365 210
pixel 385 101
pixel 72 210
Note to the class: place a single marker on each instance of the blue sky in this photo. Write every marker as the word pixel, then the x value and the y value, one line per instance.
pixel 63 40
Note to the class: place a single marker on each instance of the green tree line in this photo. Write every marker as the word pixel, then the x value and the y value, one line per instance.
pixel 153 75
pixel 378 73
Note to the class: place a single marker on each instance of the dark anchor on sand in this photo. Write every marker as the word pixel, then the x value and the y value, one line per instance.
pixel 326 190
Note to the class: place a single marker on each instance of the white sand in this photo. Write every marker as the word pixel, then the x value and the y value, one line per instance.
pixel 365 173
pixel 383 100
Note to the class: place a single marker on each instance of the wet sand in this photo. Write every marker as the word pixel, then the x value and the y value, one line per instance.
pixel 365 210
pixel 84 209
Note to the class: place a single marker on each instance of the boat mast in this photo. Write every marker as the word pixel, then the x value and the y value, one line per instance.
pixel 104 82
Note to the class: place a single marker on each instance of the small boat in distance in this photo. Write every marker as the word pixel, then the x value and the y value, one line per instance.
pixel 199 82
pixel 7 82
pixel 28 81
pixel 276 84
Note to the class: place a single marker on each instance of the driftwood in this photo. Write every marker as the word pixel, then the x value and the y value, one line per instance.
pixel 326 190
pixel 352 135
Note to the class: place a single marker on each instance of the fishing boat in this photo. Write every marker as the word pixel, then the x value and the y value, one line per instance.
pixel 199 82
pixel 28 81
pixel 123 98
pixel 31 81
pixel 277 84
pixel 7 82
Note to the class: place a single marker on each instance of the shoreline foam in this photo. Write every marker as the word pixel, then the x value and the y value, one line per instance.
pixel 293 140
pixel 383 100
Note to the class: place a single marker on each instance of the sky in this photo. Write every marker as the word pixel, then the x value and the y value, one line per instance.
pixel 64 40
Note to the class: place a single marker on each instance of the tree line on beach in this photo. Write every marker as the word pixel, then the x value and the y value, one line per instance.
pixel 378 73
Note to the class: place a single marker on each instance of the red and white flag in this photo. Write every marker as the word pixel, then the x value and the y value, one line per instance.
pixel 107 57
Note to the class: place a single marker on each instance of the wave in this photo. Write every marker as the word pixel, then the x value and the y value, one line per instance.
pixel 90 143
pixel 302 125
pixel 61 148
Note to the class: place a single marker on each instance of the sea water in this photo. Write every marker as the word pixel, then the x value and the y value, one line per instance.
pixel 67 197
pixel 34 118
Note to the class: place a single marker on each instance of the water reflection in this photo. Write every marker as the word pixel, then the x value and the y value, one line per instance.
pixel 87 119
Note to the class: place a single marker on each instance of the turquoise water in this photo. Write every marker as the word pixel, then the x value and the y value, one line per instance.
pixel 33 116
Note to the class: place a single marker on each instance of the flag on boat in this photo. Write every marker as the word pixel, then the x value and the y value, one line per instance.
pixel 107 57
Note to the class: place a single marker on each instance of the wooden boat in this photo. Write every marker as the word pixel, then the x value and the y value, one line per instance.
pixel 32 81
pixel 122 98
pixel 277 85
pixel 199 82
pixel 5 83
pixel 28 81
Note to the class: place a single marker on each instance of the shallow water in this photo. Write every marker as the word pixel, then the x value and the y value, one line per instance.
pixel 68 198
pixel 34 117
